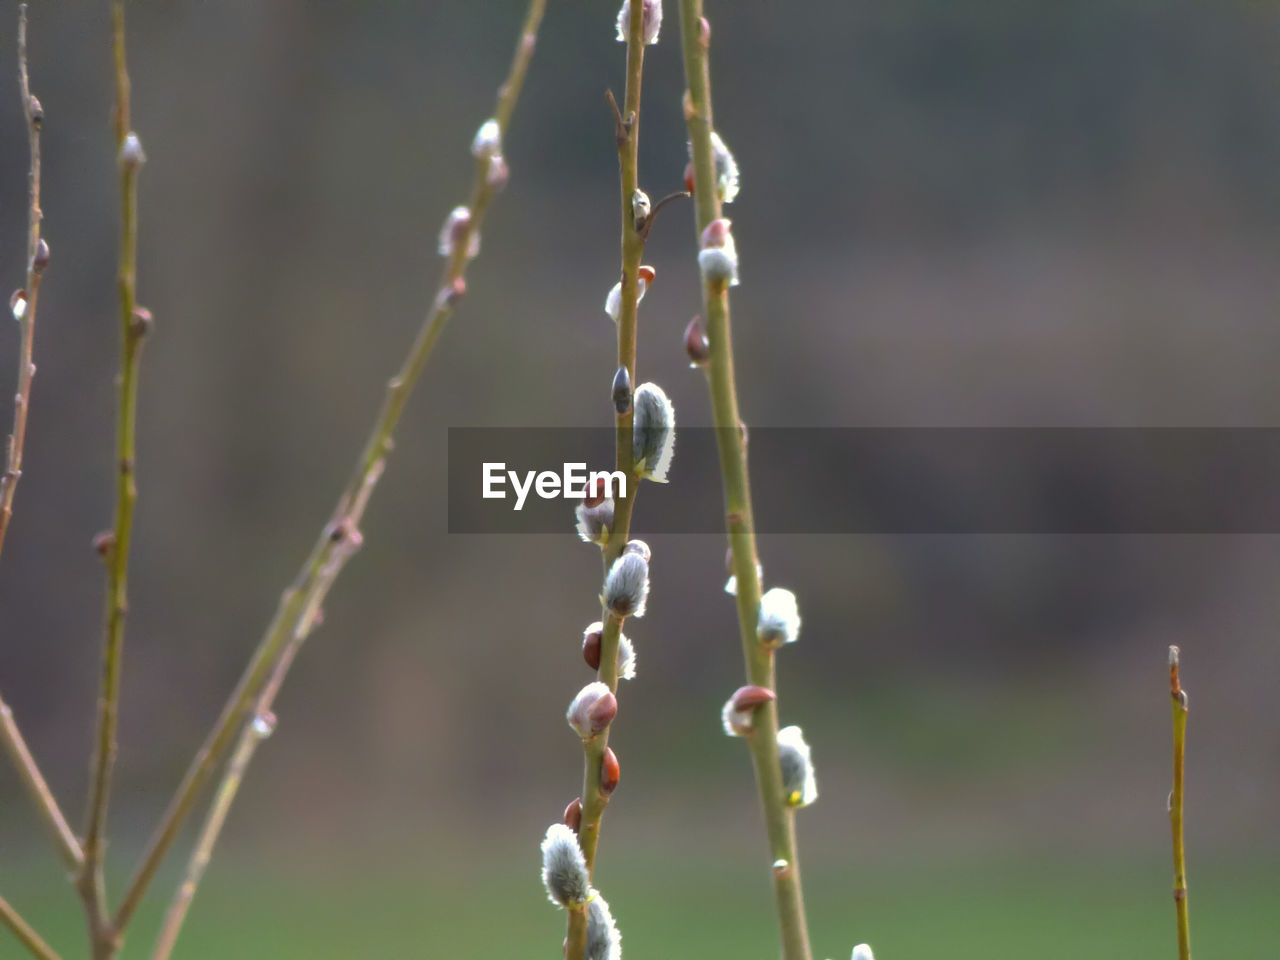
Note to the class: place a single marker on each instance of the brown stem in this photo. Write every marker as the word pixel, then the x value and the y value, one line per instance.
pixel 10 736
pixel 34 113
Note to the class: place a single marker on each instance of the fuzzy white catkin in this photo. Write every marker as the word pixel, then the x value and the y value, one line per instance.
pixel 626 659
pixel 626 588
pixel 650 19
pixel 726 169
pixel 736 723
pixel 862 952
pixel 564 868
pixel 604 942
pixel 488 140
pixel 579 713
pixel 720 264
pixel 653 438
pixel 593 523
pixel 778 619
pixel 798 780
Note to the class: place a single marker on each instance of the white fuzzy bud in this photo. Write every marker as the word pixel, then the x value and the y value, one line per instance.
pixel 564 868
pixel 651 18
pixel 603 940
pixel 718 258
pixel 613 302
pixel 653 437
pixel 456 226
pixel 778 620
pixel 132 156
pixel 626 659
pixel 488 141
pixel 726 167
pixel 626 588
pixel 592 709
pixel 739 714
pixel 799 785
pixel 640 208
pixel 863 952
pixel 595 522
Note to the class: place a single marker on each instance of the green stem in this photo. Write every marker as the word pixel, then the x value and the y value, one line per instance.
pixel 310 578
pixel 27 324
pixel 105 940
pixel 250 737
pixel 732 446
pixel 23 931
pixel 627 123
pixel 1179 699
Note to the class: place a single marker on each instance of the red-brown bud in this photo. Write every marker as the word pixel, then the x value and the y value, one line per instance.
pixel 751 696
pixel 688 177
pixel 573 814
pixel 41 259
pixel 696 344
pixel 104 543
pixel 591 646
pixel 609 772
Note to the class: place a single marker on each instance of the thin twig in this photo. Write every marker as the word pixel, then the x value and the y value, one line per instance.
pixel 731 442
pixel 133 328
pixel 23 931
pixel 37 258
pixel 259 725
pixel 309 579
pixel 34 113
pixel 1179 699
pixel 627 130
pixel 38 790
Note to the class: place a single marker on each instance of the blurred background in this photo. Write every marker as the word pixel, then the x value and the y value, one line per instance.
pixel 979 213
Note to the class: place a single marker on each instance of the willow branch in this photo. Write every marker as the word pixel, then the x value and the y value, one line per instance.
pixel 259 725
pixel 25 934
pixel 38 790
pixel 1179 699
pixel 330 543
pixel 627 124
pixel 133 329
pixel 37 259
pixel 732 447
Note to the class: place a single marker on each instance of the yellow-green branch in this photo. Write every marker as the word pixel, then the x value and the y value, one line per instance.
pixel 309 581
pixel 1179 700
pixel 24 932
pixel 627 129
pixel 731 443
pixel 105 940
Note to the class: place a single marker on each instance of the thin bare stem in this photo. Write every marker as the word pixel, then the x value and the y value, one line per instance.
pixel 23 931
pixel 310 579
pixel 627 132
pixel 41 796
pixel 257 727
pixel 732 444
pixel 1179 699
pixel 36 262
pixel 133 329
pixel 37 258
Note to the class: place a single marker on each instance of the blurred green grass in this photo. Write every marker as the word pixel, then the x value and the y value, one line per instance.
pixel 676 910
